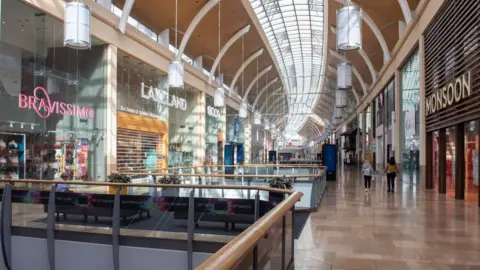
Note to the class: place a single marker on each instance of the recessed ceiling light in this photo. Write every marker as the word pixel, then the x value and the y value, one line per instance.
pixel 3 22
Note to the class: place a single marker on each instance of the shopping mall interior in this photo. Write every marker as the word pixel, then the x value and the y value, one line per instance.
pixel 239 134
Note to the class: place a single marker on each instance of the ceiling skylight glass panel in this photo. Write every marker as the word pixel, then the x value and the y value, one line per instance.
pixel 294 29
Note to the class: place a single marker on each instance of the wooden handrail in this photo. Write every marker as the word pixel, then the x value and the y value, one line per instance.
pixel 245 166
pixel 232 175
pixel 50 182
pixel 233 252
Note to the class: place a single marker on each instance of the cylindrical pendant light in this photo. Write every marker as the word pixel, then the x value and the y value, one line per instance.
pixel 77 26
pixel 257 118
pixel 267 125
pixel 341 98
pixel 219 97
pixel 338 113
pixel 344 76
pixel 349 28
pixel 243 111
pixel 175 75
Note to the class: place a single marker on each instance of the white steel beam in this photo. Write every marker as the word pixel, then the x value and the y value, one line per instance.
pixel 127 8
pixel 247 62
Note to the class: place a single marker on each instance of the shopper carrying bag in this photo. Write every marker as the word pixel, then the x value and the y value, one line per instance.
pixel 391 170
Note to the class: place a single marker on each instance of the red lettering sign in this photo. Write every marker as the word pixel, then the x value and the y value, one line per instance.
pixel 45 107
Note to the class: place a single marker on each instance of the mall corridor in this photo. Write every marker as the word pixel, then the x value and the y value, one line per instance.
pixel 409 230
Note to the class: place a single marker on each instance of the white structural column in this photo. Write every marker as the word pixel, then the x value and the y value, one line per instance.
pixel 365 57
pixel 105 3
pixel 406 10
pixel 398 115
pixel 193 24
pixel 354 70
pixel 252 83
pixel 127 8
pixel 111 93
pixel 373 26
pixel 247 124
pixel 225 48
pixel 265 88
pixel 422 131
pixel 200 111
pixel 247 62
pixel 364 134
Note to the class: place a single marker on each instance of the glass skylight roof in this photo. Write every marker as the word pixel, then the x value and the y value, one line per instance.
pixel 294 29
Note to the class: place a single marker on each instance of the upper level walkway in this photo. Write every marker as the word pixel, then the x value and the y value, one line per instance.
pixel 409 230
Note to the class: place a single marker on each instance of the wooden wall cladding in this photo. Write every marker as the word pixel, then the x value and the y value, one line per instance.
pixel 452 49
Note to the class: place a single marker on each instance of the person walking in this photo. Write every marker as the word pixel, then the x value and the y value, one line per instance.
pixel 391 171
pixel 367 171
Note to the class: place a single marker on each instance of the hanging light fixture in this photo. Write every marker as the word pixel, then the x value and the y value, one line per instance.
pixel 219 97
pixel 341 98
pixel 344 76
pixel 338 113
pixel 267 125
pixel 77 26
pixel 243 112
pixel 349 27
pixel 257 118
pixel 175 75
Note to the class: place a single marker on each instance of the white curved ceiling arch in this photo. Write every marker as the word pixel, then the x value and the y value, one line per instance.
pixel 295 31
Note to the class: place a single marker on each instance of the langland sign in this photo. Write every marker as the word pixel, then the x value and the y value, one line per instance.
pixel 455 91
pixel 162 97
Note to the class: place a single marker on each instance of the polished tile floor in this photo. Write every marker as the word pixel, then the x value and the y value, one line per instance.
pixel 412 229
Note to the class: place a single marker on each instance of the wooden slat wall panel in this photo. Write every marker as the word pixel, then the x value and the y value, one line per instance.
pixel 452 48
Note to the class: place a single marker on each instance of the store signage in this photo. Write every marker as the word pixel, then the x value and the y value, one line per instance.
pixel 162 97
pixel 45 107
pixel 213 112
pixel 455 91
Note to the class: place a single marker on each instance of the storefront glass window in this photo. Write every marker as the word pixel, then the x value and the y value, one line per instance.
pixel 409 122
pixel 213 129
pixel 142 90
pixel 184 128
pixel 450 167
pixel 471 161
pixel 52 100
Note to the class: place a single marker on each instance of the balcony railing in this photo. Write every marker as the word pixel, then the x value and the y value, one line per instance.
pixel 149 218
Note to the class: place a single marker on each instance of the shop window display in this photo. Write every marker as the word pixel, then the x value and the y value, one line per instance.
pixel 213 136
pixel 52 104
pixel 471 161
pixel 450 165
pixel 410 119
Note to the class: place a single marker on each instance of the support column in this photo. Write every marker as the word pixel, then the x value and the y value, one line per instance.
pixel 371 134
pixel 247 138
pixel 398 118
pixel 442 162
pixel 422 128
pixel 460 161
pixel 364 134
pixel 429 167
pixel 111 97
pixel 200 111
pixel 223 133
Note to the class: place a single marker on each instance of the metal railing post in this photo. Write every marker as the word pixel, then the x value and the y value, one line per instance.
pixel 190 228
pixel 116 230
pixel 255 218
pixel 6 226
pixel 51 227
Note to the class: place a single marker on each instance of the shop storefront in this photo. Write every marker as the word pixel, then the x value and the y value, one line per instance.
pixel 143 109
pixel 452 91
pixel 410 120
pixel 213 133
pixel 257 153
pixel 385 115
pixel 52 102
pixel 234 146
pixel 184 128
